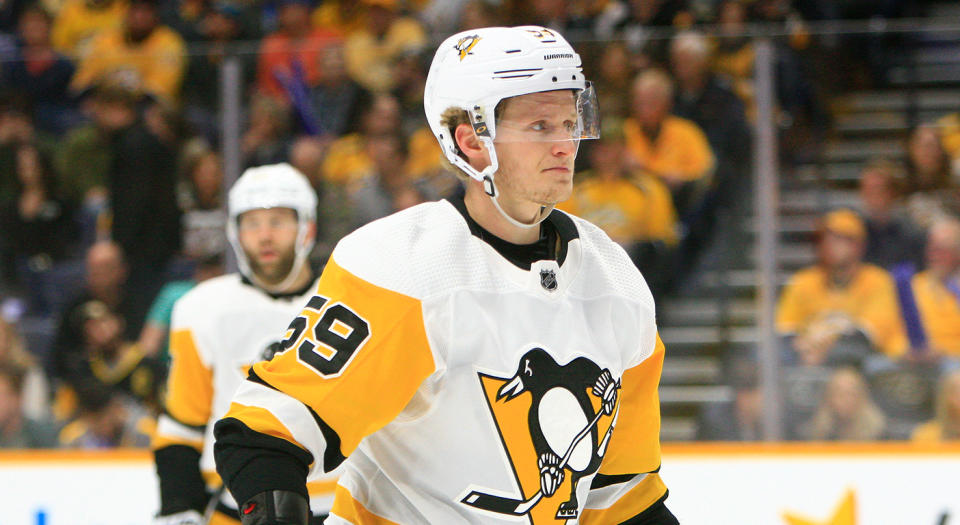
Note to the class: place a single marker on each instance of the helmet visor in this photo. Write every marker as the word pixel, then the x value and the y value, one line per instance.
pixel 551 120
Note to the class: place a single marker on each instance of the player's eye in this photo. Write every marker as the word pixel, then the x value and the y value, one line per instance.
pixel 539 126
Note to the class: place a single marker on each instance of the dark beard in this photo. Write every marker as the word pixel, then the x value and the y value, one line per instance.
pixel 283 268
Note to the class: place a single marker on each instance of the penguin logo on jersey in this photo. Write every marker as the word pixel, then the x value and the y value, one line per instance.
pixel 555 422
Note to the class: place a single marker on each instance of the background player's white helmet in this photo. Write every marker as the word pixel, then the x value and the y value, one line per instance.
pixel 273 186
pixel 474 70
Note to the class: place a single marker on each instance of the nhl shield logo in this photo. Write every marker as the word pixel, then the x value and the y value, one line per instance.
pixel 548 280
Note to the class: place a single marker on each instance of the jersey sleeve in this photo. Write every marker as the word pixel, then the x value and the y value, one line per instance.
pixel 178 441
pixel 627 483
pixel 348 365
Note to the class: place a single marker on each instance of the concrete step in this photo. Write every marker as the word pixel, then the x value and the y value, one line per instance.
pixel 707 335
pixel 925 74
pixel 678 428
pixel 697 395
pixel 816 201
pixel 690 370
pixel 940 99
pixel 704 311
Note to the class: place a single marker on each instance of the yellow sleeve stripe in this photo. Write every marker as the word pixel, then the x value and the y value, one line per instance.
pixel 635 445
pixel 190 385
pixel 262 421
pixel 378 378
pixel 351 510
pixel 635 501
pixel 171 432
pixel 322 488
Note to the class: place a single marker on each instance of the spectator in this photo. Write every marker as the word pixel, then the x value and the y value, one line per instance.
pixel 386 36
pixel 146 218
pixel 740 419
pixel 337 100
pixel 841 309
pixel 34 390
pixel 633 208
pixel 204 219
pixel 268 133
pixel 707 100
pixel 386 188
pixel 16 129
pixel 105 421
pixel 334 213
pixel 342 17
pixel 936 291
pixel 892 239
pixel 292 53
pixel 153 339
pixel 17 430
pixel 475 13
pixel 141 55
pixel 946 424
pixel 616 74
pixel 41 73
pixel 220 27
pixel 347 161
pixel 846 412
pixel 930 192
pixel 662 144
pixel 78 22
pixel 37 227
pixel 106 274
pixel 633 19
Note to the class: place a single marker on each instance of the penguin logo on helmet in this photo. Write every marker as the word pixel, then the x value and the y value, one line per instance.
pixel 555 422
pixel 465 44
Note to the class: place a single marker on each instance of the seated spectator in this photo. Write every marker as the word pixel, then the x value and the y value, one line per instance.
pixel 204 219
pixel 334 213
pixel 892 239
pixel 141 55
pixel 387 187
pixel 34 390
pixel 633 208
pixel 841 310
pixel 931 194
pixel 936 291
pixel 347 161
pixel 336 98
pixel 616 73
pixel 37 227
pixel 106 420
pixel 221 26
pixel 706 99
pixel 734 54
pixel 79 21
pixel 386 36
pixel 946 425
pixel 667 146
pixel 949 126
pixel 17 430
pixel 41 72
pixel 740 419
pixel 106 275
pixel 632 19
pixel 846 412
pixel 342 17
pixel 268 132
pixel 16 129
pixel 292 53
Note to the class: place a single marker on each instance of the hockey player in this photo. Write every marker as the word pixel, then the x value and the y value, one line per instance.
pixel 483 360
pixel 224 325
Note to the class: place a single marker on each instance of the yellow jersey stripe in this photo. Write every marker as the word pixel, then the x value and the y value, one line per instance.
pixel 190 385
pixel 348 508
pixel 638 499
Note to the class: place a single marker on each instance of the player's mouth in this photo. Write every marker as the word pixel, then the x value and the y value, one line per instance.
pixel 558 170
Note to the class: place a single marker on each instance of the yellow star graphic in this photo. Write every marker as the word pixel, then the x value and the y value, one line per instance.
pixel 844 514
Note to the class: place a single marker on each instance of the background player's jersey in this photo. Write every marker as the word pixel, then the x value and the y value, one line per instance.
pixel 452 377
pixel 218 330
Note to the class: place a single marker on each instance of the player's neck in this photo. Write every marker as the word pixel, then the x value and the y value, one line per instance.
pixel 484 212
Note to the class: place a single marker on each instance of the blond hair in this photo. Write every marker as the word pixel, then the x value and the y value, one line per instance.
pixel 868 423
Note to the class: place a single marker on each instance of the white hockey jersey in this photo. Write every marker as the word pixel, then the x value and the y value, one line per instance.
pixel 218 330
pixel 454 379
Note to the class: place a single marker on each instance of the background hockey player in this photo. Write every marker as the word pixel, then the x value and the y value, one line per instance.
pixel 224 325
pixel 479 360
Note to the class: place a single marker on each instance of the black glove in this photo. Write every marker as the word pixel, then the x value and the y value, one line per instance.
pixel 275 507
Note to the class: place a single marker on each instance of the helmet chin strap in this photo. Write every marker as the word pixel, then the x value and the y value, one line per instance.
pixel 486 177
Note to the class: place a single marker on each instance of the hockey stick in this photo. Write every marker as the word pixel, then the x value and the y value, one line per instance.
pixel 519 507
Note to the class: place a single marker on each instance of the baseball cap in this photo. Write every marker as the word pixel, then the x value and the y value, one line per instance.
pixel 843 222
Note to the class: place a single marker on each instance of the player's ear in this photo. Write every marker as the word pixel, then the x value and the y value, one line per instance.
pixel 469 144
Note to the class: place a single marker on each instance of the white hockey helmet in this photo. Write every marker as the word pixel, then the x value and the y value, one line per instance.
pixel 273 186
pixel 474 70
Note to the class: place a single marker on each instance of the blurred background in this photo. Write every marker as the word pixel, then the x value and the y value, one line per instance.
pixel 785 173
